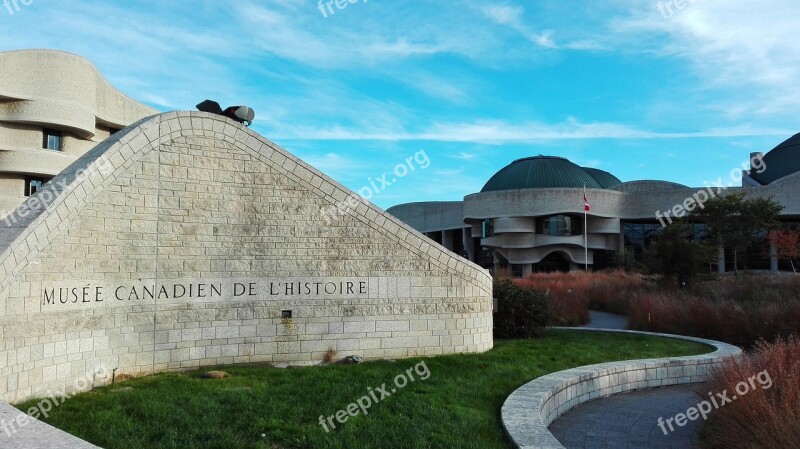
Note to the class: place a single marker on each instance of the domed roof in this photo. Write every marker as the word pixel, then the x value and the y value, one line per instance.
pixel 648 185
pixel 541 172
pixel 782 161
pixel 604 178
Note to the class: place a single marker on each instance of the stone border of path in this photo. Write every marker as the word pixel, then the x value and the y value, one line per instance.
pixel 528 411
pixel 29 433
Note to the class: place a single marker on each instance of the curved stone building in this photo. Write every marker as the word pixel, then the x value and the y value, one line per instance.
pixel 54 107
pixel 530 215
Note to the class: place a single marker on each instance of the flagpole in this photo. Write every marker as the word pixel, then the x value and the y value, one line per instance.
pixel 585 233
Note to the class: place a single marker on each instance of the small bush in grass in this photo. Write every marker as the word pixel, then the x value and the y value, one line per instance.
pixel 764 418
pixel 330 355
pixel 521 313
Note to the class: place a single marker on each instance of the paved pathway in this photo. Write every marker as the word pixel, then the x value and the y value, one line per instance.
pixel 605 320
pixel 17 432
pixel 630 421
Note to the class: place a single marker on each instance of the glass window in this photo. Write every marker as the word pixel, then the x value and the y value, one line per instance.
pixel 700 231
pixel 52 140
pixel 649 233
pixel 487 228
pixel 640 235
pixel 634 234
pixel 33 185
pixel 558 225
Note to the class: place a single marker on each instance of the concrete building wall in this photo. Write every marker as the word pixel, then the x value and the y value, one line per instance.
pixel 227 224
pixel 55 90
pixel 513 214
pixel 431 216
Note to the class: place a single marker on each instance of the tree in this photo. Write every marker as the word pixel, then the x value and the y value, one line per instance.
pixel 787 243
pixel 625 260
pixel 734 221
pixel 674 253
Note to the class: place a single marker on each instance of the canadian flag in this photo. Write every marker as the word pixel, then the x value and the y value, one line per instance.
pixel 585 203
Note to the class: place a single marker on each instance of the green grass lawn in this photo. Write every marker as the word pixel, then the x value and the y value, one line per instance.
pixel 458 406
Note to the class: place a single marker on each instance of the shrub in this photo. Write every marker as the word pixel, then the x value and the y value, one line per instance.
pixel 568 304
pixel 741 323
pixel 571 295
pixel 768 416
pixel 736 309
pixel 747 288
pixel 521 313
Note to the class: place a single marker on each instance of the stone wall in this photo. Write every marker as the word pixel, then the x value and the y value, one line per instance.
pixel 186 240
pixel 528 411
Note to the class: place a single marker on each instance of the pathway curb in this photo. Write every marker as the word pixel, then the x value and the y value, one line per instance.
pixel 528 411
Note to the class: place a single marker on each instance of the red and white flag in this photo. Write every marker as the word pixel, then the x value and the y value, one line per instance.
pixel 585 203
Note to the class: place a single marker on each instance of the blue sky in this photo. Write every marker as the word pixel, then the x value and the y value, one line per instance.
pixel 612 84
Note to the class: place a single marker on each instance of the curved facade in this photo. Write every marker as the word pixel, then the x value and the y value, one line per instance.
pixel 530 215
pixel 54 107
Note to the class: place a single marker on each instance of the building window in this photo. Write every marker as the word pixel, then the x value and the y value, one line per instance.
pixel 52 140
pixel 33 185
pixel 700 231
pixel 558 225
pixel 487 228
pixel 639 236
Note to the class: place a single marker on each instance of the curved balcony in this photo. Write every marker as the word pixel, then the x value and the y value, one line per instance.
pixel 34 162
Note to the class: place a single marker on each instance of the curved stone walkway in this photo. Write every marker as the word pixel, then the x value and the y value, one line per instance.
pixel 630 421
pixel 605 320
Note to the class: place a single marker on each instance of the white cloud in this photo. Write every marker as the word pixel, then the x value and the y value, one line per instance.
pixel 330 162
pixel 743 45
pixel 289 36
pixel 513 18
pixel 496 132
pixel 464 156
pixel 435 86
pixel 504 14
pixel 743 51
